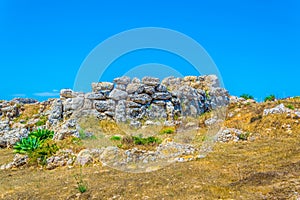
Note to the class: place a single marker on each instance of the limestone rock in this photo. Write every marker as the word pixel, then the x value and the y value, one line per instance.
pixel 162 96
pixel 124 80
pixel 135 88
pixel 151 81
pixel 107 105
pixel 67 93
pixel 149 90
pixel 280 109
pixel 102 86
pixel 95 96
pixel 117 95
pixel 120 114
pixel 84 157
pixel 140 98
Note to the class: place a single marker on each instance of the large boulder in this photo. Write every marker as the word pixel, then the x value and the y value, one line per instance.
pixel 102 86
pixel 105 105
pixel 140 98
pixel 150 81
pixel 117 95
pixel 135 88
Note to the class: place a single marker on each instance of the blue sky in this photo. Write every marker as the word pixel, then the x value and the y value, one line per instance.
pixel 255 44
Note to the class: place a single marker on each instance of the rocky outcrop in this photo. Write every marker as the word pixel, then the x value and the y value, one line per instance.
pixel 136 102
pixel 147 99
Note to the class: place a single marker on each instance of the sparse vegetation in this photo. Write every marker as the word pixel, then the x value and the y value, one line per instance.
pixel 265 168
pixel 116 138
pixel 244 136
pixel 81 185
pixel 42 121
pixel 167 130
pixel 44 151
pixel 247 96
pixel 290 106
pixel 139 140
pixel 270 98
pixel 255 118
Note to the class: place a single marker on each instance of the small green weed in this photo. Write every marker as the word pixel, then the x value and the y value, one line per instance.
pixel 290 106
pixel 115 138
pixel 167 130
pixel 244 136
pixel 81 185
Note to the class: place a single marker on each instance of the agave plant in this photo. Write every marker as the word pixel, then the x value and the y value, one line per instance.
pixel 26 145
pixel 42 134
pixel 34 140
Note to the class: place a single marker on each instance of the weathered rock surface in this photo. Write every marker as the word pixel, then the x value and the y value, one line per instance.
pixel 280 109
pixel 134 101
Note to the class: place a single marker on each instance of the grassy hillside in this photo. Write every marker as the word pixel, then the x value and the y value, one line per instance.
pixel 265 167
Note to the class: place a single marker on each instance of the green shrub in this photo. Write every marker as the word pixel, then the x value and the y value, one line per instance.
pixel 247 96
pixel 244 136
pixel 44 151
pixel 115 138
pixel 270 98
pixel 290 106
pixel 138 140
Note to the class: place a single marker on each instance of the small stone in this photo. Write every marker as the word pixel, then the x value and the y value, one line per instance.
pixel 67 93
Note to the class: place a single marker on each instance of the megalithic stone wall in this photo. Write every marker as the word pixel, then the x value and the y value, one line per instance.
pixel 127 100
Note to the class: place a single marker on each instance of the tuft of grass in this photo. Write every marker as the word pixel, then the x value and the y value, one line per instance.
pixel 247 96
pixel 42 121
pixel 244 136
pixel 139 140
pixel 167 130
pixel 290 106
pixel 116 138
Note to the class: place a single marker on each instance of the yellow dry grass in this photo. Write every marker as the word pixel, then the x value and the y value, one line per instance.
pixel 266 168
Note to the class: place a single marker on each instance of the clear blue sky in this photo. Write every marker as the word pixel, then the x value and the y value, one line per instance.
pixel 255 44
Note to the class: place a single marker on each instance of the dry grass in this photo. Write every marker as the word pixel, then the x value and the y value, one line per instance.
pixel 28 112
pixel 266 168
